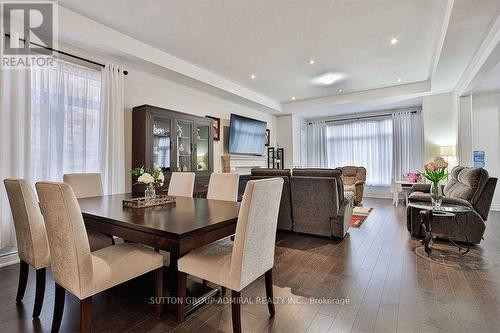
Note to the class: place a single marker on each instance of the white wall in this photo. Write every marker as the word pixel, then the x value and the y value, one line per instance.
pixel 290 139
pixel 145 88
pixel 486 134
pixel 440 119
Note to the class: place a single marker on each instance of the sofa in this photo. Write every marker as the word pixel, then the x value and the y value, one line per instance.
pixel 354 179
pixel 319 204
pixel 470 187
pixel 313 201
pixel 285 221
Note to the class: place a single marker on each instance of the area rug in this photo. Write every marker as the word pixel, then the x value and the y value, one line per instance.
pixel 359 215
pixel 448 255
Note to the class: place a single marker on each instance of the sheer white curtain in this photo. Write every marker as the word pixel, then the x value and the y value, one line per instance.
pixel 316 155
pixel 65 121
pixel 14 140
pixel 366 142
pixel 112 133
pixel 408 143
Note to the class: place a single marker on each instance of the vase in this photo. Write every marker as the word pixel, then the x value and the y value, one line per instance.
pixel 436 195
pixel 150 193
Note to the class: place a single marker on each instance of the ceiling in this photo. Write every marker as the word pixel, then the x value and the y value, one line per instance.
pixel 228 41
pixel 275 40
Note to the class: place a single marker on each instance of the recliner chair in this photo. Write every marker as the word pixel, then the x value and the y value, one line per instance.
pixel 285 219
pixel 319 204
pixel 354 179
pixel 471 187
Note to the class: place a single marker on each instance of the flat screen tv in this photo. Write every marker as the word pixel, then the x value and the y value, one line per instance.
pixel 246 136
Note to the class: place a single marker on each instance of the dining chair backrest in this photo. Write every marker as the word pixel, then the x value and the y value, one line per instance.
pixel 254 242
pixel 84 184
pixel 223 186
pixel 69 246
pixel 181 184
pixel 30 231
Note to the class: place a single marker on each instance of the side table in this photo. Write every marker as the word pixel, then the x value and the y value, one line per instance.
pixel 429 213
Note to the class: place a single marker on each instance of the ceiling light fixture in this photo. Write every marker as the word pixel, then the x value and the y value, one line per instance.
pixel 340 90
pixel 293 98
pixel 328 78
pixel 253 76
pixel 311 62
pixel 399 80
pixel 394 41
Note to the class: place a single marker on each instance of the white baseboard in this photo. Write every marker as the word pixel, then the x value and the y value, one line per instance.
pixel 9 259
pixel 495 207
pixel 377 192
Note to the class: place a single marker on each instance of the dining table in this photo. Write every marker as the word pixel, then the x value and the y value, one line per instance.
pixel 176 228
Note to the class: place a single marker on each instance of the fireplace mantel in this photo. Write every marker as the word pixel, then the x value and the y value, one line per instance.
pixel 242 164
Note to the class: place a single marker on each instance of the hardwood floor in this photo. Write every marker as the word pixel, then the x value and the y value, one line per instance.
pixel 385 287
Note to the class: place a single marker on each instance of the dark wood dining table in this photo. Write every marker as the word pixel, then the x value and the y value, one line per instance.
pixel 177 228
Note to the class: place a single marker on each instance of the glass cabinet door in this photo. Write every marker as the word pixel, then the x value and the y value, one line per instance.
pixel 161 144
pixel 202 147
pixel 184 144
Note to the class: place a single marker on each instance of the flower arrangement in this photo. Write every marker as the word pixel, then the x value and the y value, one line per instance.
pixel 152 178
pixel 413 176
pixel 436 171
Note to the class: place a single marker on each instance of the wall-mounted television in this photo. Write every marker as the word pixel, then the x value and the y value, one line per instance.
pixel 246 136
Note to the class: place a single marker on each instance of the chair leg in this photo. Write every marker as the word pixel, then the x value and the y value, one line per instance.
pixel 159 291
pixel 40 292
pixel 181 294
pixel 86 315
pixel 23 279
pixel 269 292
pixel 236 311
pixel 58 308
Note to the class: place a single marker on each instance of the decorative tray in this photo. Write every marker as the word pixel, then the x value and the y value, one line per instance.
pixel 143 203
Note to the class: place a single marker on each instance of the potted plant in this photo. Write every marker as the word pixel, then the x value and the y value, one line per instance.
pixel 150 178
pixel 435 172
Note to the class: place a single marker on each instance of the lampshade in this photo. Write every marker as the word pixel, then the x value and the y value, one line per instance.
pixel 448 151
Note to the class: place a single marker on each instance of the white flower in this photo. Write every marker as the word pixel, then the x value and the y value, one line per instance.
pixel 146 178
pixel 161 177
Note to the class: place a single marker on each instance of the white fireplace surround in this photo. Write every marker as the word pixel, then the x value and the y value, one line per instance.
pixel 242 164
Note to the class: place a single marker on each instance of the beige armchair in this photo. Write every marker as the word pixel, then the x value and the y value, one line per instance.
pixel 75 268
pixel 87 185
pixel 354 179
pixel 235 265
pixel 32 246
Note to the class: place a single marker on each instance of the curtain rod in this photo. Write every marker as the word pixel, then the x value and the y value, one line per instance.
pixel 66 54
pixel 359 118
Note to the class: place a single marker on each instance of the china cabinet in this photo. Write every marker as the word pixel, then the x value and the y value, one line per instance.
pixel 172 141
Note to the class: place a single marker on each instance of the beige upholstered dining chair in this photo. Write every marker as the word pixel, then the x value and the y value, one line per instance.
pixel 235 265
pixel 223 186
pixel 181 184
pixel 75 268
pixel 32 246
pixel 87 185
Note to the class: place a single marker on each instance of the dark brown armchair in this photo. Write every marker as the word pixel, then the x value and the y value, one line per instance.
pixel 471 187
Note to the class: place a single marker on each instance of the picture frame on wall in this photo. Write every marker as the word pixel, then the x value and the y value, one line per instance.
pixel 268 137
pixel 215 128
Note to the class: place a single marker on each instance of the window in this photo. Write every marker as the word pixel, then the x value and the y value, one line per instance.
pixel 65 120
pixel 366 142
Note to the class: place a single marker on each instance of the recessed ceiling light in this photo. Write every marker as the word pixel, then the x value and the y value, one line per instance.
pixel 399 80
pixel 328 78
pixel 340 90
pixel 394 41
pixel 293 98
pixel 311 62
pixel 253 76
